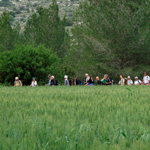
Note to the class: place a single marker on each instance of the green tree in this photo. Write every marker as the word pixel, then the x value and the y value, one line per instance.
pixel 109 36
pixel 45 27
pixel 28 61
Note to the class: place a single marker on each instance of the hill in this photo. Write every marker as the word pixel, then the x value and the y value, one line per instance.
pixel 21 10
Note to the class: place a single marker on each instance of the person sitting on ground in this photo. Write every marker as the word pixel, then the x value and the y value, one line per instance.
pixel 146 79
pixel 54 81
pixel 137 81
pixel 66 82
pixel 122 80
pixel 99 82
pixel 76 81
pixel 90 82
pixel 87 78
pixel 108 80
pixel 33 83
pixel 17 82
pixel 49 83
pixel 129 81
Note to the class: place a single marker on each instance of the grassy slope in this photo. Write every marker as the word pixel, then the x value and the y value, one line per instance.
pixel 75 117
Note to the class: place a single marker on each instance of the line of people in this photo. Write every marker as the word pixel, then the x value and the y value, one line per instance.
pixel 89 81
pixel 137 81
pixel 53 82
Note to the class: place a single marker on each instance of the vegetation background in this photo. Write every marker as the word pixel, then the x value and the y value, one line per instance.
pixel 104 37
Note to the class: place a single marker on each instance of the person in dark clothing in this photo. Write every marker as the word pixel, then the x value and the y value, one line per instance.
pixel 54 81
pixel 99 82
pixel 76 81
pixel 108 80
pixel 90 81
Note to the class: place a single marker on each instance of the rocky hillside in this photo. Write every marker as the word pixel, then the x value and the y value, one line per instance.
pixel 21 10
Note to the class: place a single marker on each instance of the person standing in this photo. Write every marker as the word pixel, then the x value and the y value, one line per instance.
pixel 129 81
pixel 33 83
pixel 76 81
pixel 49 83
pixel 87 78
pixel 99 82
pixel 54 81
pixel 146 79
pixel 122 80
pixel 66 81
pixel 108 80
pixel 17 82
pixel 137 81
pixel 90 82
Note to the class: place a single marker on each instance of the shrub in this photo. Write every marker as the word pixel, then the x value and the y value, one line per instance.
pixel 28 61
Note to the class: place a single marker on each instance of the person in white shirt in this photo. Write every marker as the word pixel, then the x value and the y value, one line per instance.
pixel 146 79
pixel 119 83
pixel 66 82
pixel 137 81
pixel 87 78
pixel 33 83
pixel 129 81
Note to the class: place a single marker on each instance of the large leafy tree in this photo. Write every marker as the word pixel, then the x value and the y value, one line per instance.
pixel 28 61
pixel 45 27
pixel 110 36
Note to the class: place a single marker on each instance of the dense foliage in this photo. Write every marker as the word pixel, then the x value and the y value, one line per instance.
pixel 45 27
pixel 27 62
pixel 111 37
pixel 107 37
pixel 34 52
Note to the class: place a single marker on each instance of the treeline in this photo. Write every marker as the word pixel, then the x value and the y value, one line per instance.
pixel 110 37
pixel 37 51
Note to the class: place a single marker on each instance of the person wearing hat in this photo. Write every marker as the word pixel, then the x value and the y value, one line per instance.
pixel 66 82
pixel 129 81
pixel 49 83
pixel 33 83
pixel 17 82
pixel 54 81
pixel 137 81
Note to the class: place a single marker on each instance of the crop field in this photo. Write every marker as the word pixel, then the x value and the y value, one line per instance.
pixel 75 118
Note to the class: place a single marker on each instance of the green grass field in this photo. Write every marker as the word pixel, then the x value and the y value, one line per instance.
pixel 75 118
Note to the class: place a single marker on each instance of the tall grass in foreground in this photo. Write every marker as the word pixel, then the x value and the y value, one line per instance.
pixel 98 117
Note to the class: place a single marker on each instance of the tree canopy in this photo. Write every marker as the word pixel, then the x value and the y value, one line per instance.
pixel 46 27
pixel 111 36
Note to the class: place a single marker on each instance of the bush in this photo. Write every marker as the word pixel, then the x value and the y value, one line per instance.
pixel 28 61
pixel 18 12
pixel 68 22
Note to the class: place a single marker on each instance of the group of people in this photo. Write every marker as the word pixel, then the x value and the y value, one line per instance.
pixel 19 83
pixel 89 81
pixel 53 82
pixel 137 81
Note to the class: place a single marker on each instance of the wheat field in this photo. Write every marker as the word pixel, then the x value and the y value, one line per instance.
pixel 75 118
